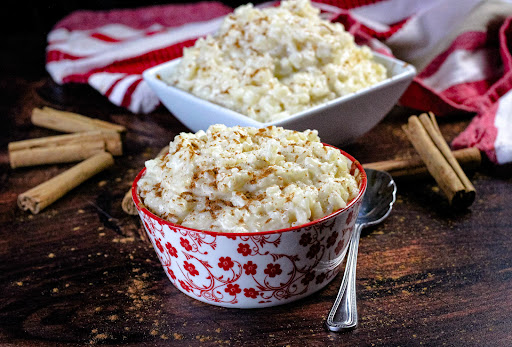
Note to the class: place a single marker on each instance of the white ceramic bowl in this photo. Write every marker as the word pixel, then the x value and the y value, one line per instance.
pixel 253 270
pixel 339 121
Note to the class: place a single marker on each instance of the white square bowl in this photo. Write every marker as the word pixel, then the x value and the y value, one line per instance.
pixel 339 121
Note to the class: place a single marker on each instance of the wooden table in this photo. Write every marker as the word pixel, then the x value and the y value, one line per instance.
pixel 78 274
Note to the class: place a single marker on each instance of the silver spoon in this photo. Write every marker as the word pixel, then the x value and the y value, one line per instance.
pixel 377 204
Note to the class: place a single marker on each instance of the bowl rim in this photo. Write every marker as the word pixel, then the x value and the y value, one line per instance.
pixel 142 208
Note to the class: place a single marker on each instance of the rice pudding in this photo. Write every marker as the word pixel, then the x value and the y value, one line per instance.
pixel 244 179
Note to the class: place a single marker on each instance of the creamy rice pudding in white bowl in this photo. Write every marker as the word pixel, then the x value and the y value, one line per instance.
pixel 250 217
pixel 282 66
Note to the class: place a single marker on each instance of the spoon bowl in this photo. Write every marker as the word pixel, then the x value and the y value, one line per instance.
pixel 377 204
pixel 379 198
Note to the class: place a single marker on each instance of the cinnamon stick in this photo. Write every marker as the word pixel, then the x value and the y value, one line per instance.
pixel 63 148
pixel 430 145
pixel 430 124
pixel 127 204
pixel 70 122
pixel 112 141
pixel 468 158
pixel 52 155
pixel 37 198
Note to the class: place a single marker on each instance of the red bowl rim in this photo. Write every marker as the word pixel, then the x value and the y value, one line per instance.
pixel 359 196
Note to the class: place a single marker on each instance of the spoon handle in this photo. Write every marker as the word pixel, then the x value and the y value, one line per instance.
pixel 343 314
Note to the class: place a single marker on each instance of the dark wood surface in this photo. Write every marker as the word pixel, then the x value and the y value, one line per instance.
pixel 78 274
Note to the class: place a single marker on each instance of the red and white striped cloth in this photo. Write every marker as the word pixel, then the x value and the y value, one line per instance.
pixel 461 48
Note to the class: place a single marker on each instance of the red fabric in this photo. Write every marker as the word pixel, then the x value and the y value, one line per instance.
pixel 110 50
pixel 141 18
pixel 480 133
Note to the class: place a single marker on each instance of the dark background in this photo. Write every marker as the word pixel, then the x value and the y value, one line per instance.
pixel 28 23
pixel 427 276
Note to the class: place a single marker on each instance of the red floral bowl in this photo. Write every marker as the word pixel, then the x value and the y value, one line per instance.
pixel 253 270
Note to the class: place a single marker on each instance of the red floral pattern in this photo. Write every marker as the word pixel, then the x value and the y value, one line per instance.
pixel 172 251
pixel 237 279
pixel 250 268
pixel 190 268
pixel 251 293
pixel 225 263
pixel 331 240
pixel 244 249
pixel 305 239
pixel 320 278
pixel 171 273
pixel 339 247
pixel 184 286
pixel 233 289
pixel 313 250
pixel 272 270
pixel 149 228
pixel 308 278
pixel 349 217
pixel 159 245
pixel 185 244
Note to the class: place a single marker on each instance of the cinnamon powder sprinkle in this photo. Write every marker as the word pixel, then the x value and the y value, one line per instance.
pixel 243 179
